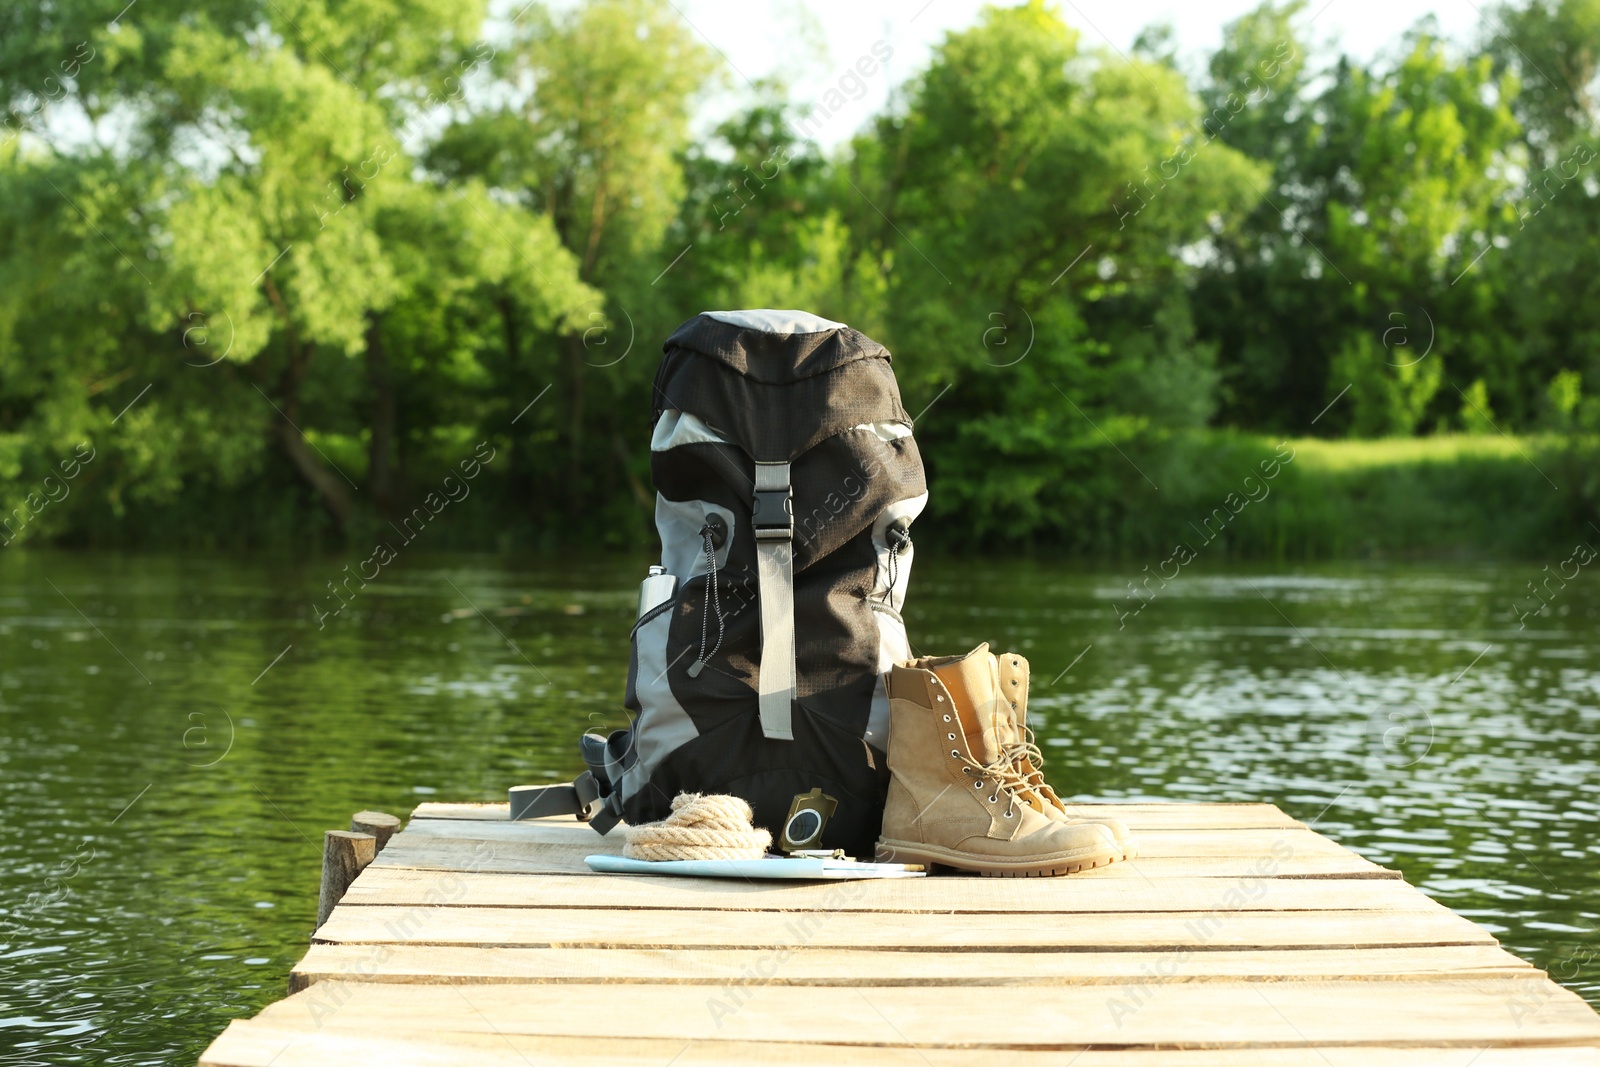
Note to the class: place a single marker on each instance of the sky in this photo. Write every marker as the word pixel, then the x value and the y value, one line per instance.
pixel 816 42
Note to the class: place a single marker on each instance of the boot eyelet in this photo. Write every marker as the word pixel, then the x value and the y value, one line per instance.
pixel 947 718
pixel 950 737
pixel 1013 681
pixel 1010 814
pixel 940 699
pixel 993 799
pixel 954 754
pixel 978 784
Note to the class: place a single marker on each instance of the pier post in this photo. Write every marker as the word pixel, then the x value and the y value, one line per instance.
pixel 376 823
pixel 344 855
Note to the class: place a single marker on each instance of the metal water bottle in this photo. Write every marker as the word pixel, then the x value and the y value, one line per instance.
pixel 656 589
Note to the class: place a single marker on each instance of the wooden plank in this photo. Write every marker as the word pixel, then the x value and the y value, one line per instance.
pixel 542 831
pixel 1465 1014
pixel 825 927
pixel 421 853
pixel 424 855
pixel 1278 842
pixel 1140 816
pixel 260 1044
pixel 433 809
pixel 445 810
pixel 1257 892
pixel 1178 816
pixel 820 966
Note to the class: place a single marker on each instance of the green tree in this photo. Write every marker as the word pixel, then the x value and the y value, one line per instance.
pixel 1541 273
pixel 1386 184
pixel 1043 200
pixel 596 146
pixel 243 239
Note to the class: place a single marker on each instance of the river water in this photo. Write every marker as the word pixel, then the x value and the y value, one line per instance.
pixel 177 731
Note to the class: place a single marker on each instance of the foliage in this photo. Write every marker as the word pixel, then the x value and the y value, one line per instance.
pixel 271 269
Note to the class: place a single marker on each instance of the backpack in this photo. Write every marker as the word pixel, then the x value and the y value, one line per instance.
pixel 786 483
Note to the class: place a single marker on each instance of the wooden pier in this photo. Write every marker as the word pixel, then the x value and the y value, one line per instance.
pixel 1239 938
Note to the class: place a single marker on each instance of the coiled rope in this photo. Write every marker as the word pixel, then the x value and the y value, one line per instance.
pixel 701 827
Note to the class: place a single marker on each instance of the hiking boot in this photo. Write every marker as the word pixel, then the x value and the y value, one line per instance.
pixel 1016 743
pixel 954 798
pixel 995 689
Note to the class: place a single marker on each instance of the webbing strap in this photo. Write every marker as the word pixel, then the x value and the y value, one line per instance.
pixel 595 796
pixel 773 519
pixel 578 798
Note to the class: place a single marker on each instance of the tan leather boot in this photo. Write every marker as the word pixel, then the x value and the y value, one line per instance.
pixel 1016 742
pixel 948 804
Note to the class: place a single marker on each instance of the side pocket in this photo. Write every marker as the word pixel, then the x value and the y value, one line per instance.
pixel 894 646
pixel 630 695
pixel 660 725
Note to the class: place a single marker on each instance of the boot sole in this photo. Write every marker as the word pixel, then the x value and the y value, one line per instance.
pixel 1049 867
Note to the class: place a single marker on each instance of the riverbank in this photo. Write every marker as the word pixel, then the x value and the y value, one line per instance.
pixel 1453 495
pixel 1240 496
pixel 1133 494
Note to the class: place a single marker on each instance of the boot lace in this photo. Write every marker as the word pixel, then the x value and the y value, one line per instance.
pixel 1015 752
pixel 1008 780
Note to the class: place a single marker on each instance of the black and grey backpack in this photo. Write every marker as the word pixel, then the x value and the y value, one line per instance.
pixel 786 483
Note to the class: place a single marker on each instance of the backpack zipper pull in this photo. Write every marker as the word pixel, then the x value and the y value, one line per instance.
pixel 898 537
pixel 714 532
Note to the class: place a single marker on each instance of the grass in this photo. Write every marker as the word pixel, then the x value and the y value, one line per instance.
pixel 1345 456
pixel 1451 496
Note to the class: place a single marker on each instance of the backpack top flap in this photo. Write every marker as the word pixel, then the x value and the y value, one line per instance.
pixel 776 382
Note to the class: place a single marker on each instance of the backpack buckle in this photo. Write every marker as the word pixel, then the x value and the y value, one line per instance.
pixel 772 515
